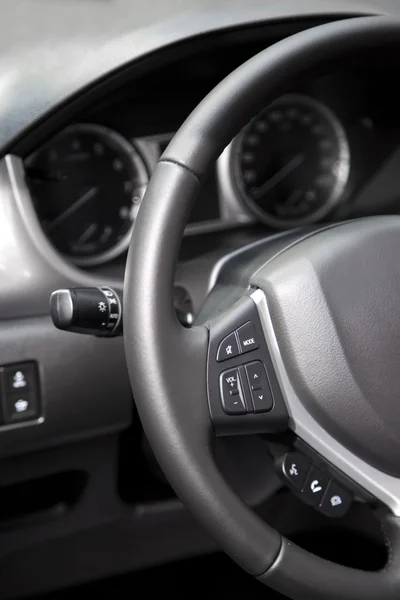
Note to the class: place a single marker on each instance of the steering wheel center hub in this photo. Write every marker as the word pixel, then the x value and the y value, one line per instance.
pixel 333 299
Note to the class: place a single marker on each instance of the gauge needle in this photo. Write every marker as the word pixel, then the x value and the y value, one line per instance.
pixel 292 200
pixel 79 157
pixel 89 231
pixel 279 176
pixel 73 208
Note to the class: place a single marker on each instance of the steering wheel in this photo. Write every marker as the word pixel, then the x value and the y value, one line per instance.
pixel 317 311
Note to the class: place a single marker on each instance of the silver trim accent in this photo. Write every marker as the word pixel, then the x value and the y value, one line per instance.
pixel 384 487
pixel 232 205
pixel 221 262
pixel 146 158
pixel 211 226
pixel 232 151
pixel 22 424
pixel 30 265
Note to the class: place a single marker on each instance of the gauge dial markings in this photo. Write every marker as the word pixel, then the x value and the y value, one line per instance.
pixel 278 176
pixel 73 208
pixel 101 172
pixel 266 168
pixel 89 231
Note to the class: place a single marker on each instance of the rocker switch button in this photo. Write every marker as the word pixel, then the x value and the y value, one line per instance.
pixel 232 397
pixel 247 337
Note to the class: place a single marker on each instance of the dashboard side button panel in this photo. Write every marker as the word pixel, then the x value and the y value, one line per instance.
pixel 20 407
pixel 20 392
pixel 20 378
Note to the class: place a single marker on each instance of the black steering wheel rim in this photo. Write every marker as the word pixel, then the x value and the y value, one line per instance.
pixel 167 363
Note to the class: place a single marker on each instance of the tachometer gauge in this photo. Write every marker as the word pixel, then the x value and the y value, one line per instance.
pixel 291 163
pixel 87 184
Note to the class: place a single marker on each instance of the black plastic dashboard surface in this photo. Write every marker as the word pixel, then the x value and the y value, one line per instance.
pixel 362 97
pixel 153 97
pixel 94 39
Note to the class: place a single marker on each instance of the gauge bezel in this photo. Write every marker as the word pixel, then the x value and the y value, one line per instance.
pixel 230 172
pixel 139 165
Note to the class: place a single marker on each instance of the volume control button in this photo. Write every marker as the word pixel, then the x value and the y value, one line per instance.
pixel 231 390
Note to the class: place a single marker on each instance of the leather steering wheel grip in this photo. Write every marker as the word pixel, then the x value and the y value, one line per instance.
pixel 167 363
pixel 301 575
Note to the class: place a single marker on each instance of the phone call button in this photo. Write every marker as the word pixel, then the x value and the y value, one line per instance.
pixel 315 487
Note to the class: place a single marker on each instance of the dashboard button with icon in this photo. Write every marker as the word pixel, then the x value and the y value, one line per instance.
pixel 314 485
pixel 228 348
pixel 336 501
pixel 20 394
pixel 296 467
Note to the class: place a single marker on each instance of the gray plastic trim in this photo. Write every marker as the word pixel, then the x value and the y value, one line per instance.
pixel 31 268
pixel 384 487
pixel 232 206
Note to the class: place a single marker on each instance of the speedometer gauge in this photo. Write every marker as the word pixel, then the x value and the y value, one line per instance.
pixel 87 184
pixel 291 163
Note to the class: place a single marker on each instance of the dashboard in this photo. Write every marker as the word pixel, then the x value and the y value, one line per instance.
pixel 84 120
pixel 314 155
pixel 87 185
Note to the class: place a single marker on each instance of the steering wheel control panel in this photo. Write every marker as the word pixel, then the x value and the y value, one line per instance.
pixel 314 485
pixel 243 391
pixel 20 398
pixel 240 341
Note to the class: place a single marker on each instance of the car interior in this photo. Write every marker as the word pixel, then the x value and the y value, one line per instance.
pixel 200 333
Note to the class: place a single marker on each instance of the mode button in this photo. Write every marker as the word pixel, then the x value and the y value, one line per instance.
pixel 247 337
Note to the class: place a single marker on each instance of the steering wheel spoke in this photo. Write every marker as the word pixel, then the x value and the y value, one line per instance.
pixel 337 465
